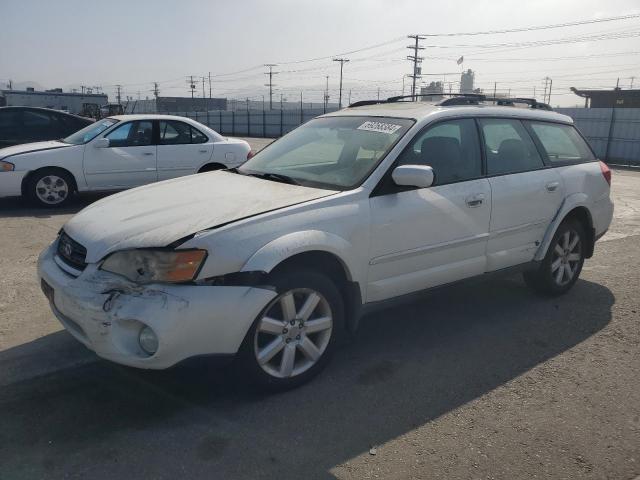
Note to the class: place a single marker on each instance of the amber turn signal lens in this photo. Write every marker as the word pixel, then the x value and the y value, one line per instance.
pixel 185 265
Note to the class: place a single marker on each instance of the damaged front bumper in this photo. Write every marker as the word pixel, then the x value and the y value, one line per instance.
pixel 106 313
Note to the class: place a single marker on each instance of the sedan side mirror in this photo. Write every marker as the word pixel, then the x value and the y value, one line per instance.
pixel 102 143
pixel 420 176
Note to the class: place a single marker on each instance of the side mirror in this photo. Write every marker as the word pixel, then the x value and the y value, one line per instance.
pixel 420 176
pixel 101 143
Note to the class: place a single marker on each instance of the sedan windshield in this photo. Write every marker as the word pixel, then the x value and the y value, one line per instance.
pixel 90 132
pixel 337 153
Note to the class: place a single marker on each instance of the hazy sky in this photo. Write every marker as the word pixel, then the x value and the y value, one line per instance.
pixel 68 43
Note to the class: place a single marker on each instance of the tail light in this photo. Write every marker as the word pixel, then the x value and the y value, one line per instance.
pixel 606 172
pixel 250 154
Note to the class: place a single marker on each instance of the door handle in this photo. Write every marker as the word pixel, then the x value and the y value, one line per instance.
pixel 475 200
pixel 203 151
pixel 552 186
pixel 147 153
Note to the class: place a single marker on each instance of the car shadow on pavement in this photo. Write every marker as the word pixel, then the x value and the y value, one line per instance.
pixel 20 207
pixel 408 366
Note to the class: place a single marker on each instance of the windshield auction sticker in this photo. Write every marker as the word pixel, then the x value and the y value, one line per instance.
pixel 379 127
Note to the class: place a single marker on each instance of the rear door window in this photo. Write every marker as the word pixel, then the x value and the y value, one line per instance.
pixel 561 143
pixel 508 147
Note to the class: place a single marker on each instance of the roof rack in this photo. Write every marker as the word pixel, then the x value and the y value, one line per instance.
pixel 460 99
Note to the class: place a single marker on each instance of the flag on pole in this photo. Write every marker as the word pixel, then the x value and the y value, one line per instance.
pixel 460 60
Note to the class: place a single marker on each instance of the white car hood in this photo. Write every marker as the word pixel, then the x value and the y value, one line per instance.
pixel 31 147
pixel 159 214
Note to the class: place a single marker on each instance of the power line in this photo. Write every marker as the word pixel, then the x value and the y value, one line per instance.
pixel 536 27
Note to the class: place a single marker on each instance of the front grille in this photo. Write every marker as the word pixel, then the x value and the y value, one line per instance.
pixel 71 252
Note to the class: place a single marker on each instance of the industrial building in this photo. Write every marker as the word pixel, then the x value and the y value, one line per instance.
pixel 434 88
pixel 617 98
pixel 466 81
pixel 71 102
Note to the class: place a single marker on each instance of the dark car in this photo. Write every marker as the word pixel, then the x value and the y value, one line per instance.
pixel 31 124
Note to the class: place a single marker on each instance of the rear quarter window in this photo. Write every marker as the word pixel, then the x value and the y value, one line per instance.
pixel 561 143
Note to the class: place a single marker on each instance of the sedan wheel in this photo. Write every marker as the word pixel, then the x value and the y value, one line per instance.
pixel 293 333
pixel 52 189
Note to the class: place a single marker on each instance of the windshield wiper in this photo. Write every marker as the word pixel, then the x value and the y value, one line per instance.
pixel 275 176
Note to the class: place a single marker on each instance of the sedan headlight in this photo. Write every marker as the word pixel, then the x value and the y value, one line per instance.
pixel 147 266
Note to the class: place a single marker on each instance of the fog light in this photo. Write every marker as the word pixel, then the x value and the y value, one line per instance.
pixel 148 341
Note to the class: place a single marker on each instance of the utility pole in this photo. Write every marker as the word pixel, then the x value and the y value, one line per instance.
pixel 326 95
pixel 10 85
pixel 271 73
pixel 417 69
pixel 119 94
pixel 495 86
pixel 209 85
pixel 546 86
pixel 155 90
pixel 550 85
pixel 631 86
pixel 342 61
pixel 192 85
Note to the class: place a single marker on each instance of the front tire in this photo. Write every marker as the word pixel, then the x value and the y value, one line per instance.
pixel 50 188
pixel 563 262
pixel 293 338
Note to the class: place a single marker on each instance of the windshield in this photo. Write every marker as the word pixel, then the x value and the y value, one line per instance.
pixel 330 152
pixel 90 132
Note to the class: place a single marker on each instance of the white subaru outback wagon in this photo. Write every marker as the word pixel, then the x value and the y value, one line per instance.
pixel 272 261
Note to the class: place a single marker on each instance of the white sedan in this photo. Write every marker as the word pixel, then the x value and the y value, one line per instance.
pixel 116 153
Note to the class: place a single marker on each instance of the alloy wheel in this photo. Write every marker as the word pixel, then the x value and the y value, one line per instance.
pixel 293 333
pixel 566 257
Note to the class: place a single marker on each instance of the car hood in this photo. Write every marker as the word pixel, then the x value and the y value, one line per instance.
pixel 159 214
pixel 31 147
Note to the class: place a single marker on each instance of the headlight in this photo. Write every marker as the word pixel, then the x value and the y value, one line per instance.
pixel 147 266
pixel 7 167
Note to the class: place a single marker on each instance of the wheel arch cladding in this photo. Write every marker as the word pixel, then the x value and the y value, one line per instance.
pixel 318 251
pixel 577 210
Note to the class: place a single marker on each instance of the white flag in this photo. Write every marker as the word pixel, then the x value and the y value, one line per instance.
pixel 460 60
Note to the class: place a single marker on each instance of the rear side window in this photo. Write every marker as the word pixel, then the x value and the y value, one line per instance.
pixel 508 147
pixel 178 133
pixel 451 148
pixel 561 143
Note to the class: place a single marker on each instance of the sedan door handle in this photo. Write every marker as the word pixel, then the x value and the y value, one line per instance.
pixel 552 186
pixel 203 151
pixel 147 153
pixel 475 200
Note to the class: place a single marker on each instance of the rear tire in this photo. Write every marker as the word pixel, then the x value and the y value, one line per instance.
pixel 50 188
pixel 293 338
pixel 563 262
